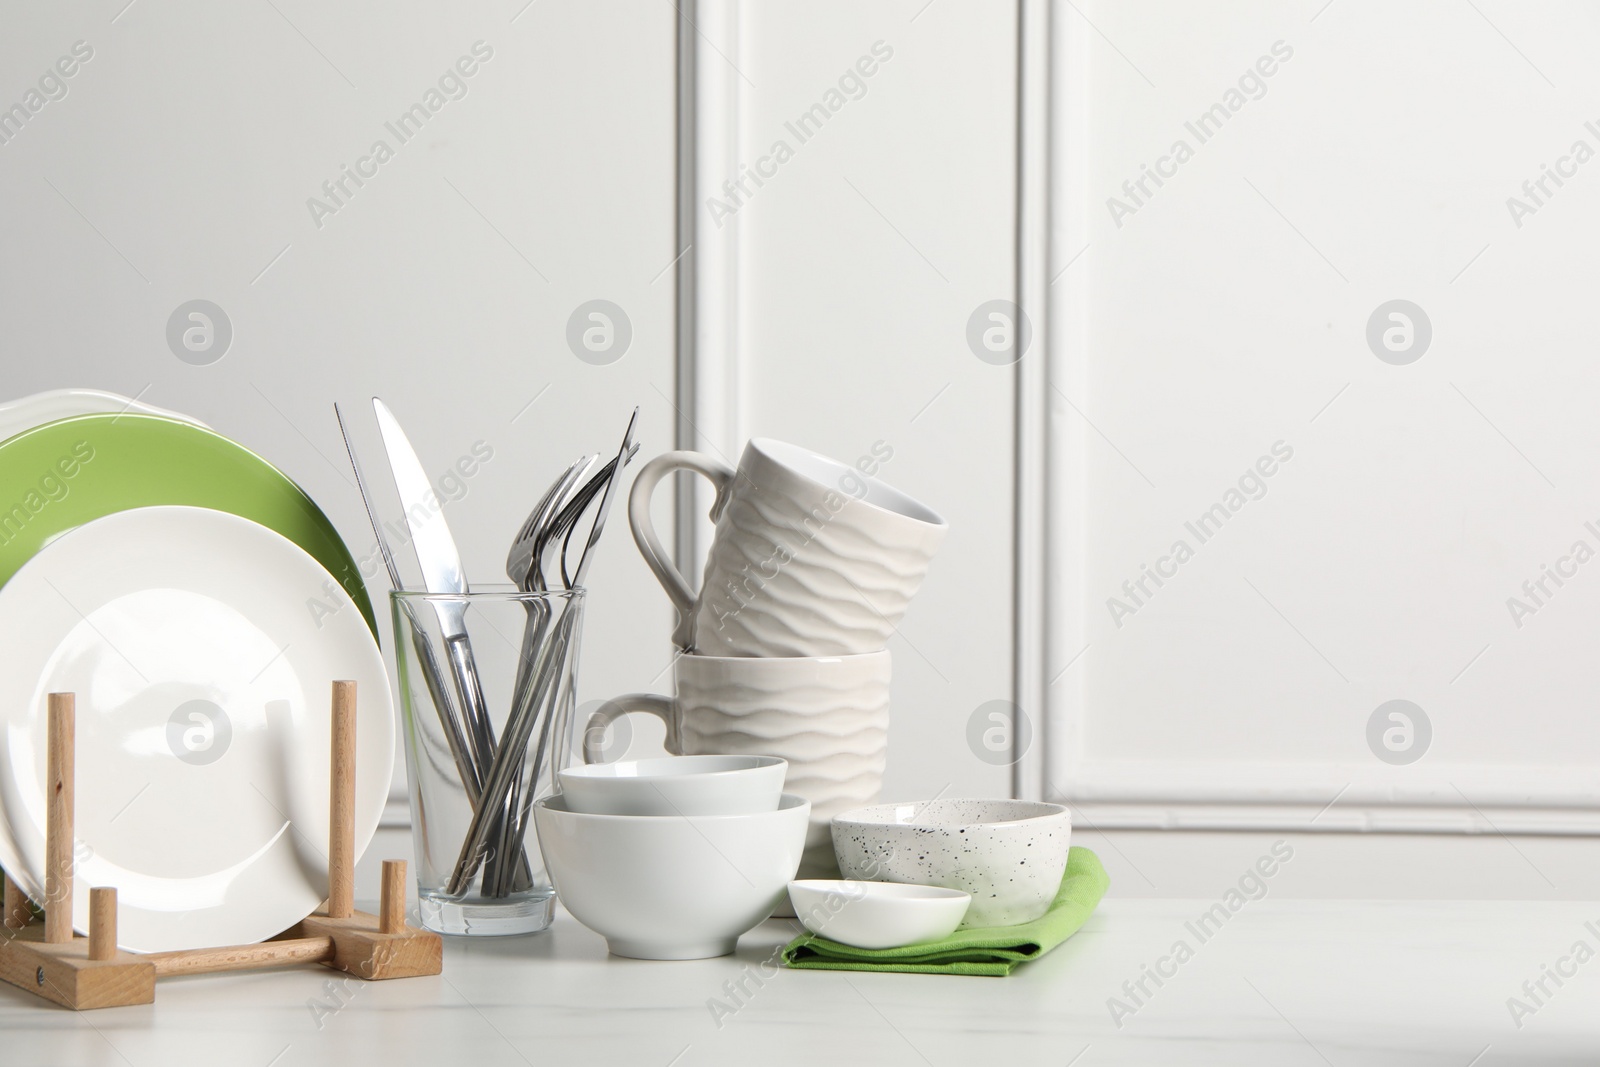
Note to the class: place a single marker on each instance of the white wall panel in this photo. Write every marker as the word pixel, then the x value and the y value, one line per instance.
pixel 1224 314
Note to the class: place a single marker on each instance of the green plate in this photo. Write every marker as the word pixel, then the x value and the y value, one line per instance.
pixel 56 477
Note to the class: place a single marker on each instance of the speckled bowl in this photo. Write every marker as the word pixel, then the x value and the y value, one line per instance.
pixel 1009 854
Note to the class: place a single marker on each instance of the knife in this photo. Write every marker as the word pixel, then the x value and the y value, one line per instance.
pixel 460 749
pixel 441 573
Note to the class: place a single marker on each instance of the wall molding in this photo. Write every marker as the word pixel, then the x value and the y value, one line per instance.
pixel 1341 818
pixel 685 274
pixel 1032 528
pixel 709 379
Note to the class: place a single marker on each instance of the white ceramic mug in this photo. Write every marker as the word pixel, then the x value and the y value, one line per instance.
pixel 812 557
pixel 827 715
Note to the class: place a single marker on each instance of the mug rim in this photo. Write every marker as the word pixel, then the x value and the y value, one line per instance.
pixel 908 507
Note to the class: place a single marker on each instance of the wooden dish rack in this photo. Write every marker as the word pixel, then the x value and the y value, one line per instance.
pixel 50 961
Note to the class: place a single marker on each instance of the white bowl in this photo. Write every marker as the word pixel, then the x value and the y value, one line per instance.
pixel 1009 854
pixel 676 785
pixel 877 914
pixel 671 888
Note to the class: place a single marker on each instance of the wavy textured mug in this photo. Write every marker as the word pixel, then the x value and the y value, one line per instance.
pixel 827 715
pixel 810 558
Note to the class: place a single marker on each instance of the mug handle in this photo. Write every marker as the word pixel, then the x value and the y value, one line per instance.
pixel 617 707
pixel 644 531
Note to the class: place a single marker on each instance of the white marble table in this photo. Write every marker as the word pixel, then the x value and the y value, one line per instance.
pixel 1282 982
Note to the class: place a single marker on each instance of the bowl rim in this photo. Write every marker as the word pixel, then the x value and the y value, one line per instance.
pixel 596 772
pixel 787 804
pixel 911 893
pixel 1046 810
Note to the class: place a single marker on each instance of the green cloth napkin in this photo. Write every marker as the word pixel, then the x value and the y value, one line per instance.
pixel 995 951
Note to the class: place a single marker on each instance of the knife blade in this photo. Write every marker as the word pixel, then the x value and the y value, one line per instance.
pixel 441 573
pixel 433 677
pixel 430 535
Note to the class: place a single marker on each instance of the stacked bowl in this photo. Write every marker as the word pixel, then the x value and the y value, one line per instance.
pixel 672 858
pixel 783 649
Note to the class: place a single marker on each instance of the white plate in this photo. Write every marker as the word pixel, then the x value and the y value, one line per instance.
pixel 202 650
pixel 26 412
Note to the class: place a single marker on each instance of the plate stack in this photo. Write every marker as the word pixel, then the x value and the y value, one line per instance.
pixel 784 648
pixel 199 606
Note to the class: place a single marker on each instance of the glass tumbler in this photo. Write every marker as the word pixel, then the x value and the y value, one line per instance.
pixel 486 681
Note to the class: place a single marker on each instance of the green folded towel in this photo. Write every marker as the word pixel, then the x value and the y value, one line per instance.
pixel 989 950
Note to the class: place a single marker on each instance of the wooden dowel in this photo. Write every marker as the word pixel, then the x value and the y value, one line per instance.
pixel 342 804
pixel 242 957
pixel 17 912
pixel 58 822
pixel 392 903
pixel 103 923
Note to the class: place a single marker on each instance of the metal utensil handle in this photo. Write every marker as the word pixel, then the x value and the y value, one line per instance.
pixel 439 692
pixel 551 714
pixel 459 648
pixel 508 756
pixel 513 829
pixel 496 789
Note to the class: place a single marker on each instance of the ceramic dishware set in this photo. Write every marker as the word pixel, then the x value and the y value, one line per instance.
pixel 174 610
pixel 783 649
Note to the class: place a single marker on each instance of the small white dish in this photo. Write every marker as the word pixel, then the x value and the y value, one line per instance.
pixel 202 683
pixel 676 785
pixel 877 914
pixel 673 888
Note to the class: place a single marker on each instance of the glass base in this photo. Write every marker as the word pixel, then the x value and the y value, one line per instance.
pixel 527 913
